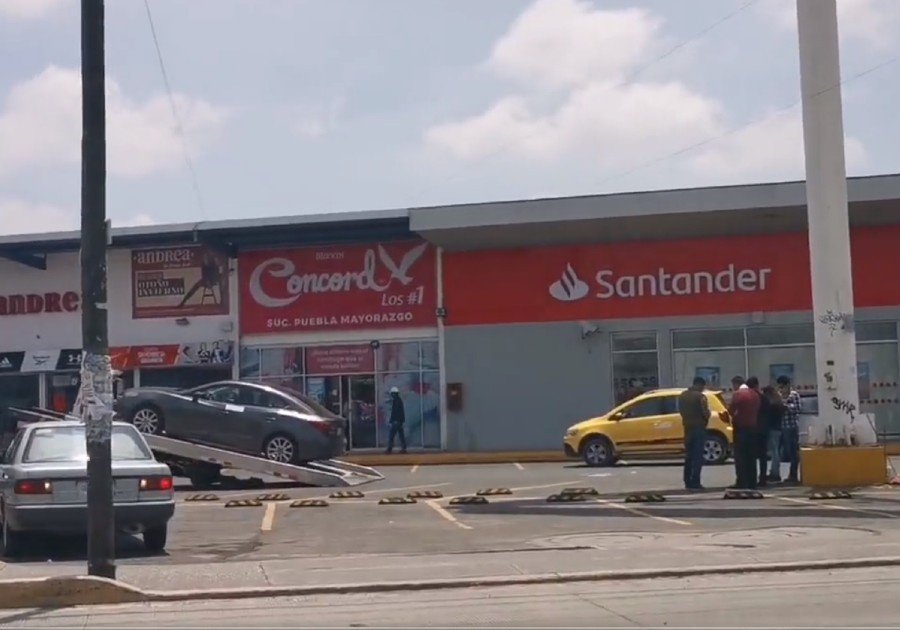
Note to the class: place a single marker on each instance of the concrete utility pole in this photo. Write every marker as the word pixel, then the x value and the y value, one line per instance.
pixel 829 227
pixel 96 391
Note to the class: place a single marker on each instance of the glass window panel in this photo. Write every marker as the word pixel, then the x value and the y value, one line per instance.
pixel 767 364
pixel 281 361
pixel 779 335
pixel 644 409
pixel 878 375
pixel 718 367
pixel 876 331
pixel 398 357
pixel 430 355
pixel 633 374
pixel 411 393
pixel 626 341
pixel 713 338
pixel 431 410
pixel 289 382
pixel 249 362
pixel 362 413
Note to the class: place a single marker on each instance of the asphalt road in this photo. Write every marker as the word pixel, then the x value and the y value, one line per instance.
pixel 849 598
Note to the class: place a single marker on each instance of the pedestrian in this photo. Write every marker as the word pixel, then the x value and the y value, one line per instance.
pixel 771 413
pixel 790 426
pixel 744 410
pixel 396 421
pixel 694 409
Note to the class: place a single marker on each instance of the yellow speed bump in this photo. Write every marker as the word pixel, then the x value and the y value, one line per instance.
pixel 425 494
pixel 566 498
pixel 309 503
pixel 743 494
pixel 346 494
pixel 491 492
pixel 588 492
pixel 645 498
pixel 202 497
pixel 396 501
pixel 243 503
pixel 838 494
pixel 468 500
pixel 273 497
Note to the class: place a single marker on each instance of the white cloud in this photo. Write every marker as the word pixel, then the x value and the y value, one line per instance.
pixel 40 126
pixel 315 122
pixel 29 9
pixel 22 217
pixel 771 149
pixel 872 22
pixel 566 43
pixel 139 220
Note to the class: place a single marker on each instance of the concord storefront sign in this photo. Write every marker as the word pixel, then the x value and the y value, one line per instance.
pixel 768 273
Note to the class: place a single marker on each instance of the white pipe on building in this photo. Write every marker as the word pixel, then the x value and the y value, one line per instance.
pixel 829 228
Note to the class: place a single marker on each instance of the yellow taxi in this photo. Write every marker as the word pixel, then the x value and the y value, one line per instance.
pixel 648 426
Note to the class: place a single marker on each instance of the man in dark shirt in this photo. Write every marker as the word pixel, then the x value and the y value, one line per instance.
pixel 694 409
pixel 397 420
pixel 744 410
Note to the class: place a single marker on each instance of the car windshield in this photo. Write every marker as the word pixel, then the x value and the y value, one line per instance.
pixel 67 444
pixel 305 400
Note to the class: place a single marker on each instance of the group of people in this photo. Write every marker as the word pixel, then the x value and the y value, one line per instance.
pixel 766 431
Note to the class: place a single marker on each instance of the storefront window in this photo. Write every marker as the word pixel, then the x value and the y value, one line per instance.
pixel 635 364
pixel 250 362
pixel 796 362
pixel 281 361
pixel 430 356
pixel 399 357
pixel 716 366
pixel 714 338
pixel 431 409
pixel 62 390
pixel 780 335
pixel 17 390
pixel 878 375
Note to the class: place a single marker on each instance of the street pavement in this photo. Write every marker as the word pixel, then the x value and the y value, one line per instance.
pixel 360 541
pixel 848 598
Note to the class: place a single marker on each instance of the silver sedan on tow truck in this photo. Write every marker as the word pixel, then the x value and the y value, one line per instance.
pixel 43 485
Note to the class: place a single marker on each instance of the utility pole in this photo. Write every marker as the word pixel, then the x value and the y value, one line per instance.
pixel 96 391
pixel 829 228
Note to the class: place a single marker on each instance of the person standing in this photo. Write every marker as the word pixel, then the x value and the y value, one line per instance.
pixel 790 426
pixel 771 414
pixel 396 421
pixel 694 409
pixel 744 410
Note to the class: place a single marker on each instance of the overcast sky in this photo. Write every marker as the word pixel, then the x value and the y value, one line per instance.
pixel 311 106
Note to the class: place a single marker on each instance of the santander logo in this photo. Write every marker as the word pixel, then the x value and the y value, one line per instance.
pixel 570 287
pixel 298 284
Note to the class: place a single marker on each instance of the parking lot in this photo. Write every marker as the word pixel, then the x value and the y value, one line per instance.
pixel 209 532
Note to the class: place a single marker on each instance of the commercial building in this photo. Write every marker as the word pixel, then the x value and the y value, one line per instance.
pixel 501 323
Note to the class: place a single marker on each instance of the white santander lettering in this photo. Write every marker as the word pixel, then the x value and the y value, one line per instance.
pixel 663 283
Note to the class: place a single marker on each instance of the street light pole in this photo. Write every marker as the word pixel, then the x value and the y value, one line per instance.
pixel 95 393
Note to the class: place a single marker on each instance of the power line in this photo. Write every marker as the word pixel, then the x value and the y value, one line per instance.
pixel 632 77
pixel 752 123
pixel 179 127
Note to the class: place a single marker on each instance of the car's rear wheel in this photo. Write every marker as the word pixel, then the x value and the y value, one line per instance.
pixel 155 539
pixel 148 419
pixel 11 542
pixel 715 449
pixel 598 451
pixel 281 448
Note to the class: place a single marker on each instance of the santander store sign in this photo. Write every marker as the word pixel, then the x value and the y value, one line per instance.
pixel 570 287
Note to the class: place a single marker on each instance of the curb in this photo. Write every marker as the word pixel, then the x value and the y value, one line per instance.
pixel 88 591
pixel 451 459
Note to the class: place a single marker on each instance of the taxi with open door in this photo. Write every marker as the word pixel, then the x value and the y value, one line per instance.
pixel 649 427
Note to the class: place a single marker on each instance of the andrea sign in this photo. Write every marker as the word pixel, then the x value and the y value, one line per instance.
pixel 188 280
pixel 386 285
pixel 36 303
pixel 655 279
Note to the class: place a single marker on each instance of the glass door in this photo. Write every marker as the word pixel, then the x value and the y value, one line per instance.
pixel 362 411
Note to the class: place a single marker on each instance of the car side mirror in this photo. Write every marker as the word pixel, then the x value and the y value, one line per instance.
pixel 618 415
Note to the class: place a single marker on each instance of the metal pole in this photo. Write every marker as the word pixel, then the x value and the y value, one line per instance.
pixel 829 226
pixel 95 394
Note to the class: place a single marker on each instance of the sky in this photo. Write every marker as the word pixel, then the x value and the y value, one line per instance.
pixel 288 107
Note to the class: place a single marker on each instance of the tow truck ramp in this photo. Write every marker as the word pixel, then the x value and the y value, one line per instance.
pixel 326 473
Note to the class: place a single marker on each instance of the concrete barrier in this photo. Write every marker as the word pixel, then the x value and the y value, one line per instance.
pixel 60 592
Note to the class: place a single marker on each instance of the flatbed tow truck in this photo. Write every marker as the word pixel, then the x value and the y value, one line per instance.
pixel 203 464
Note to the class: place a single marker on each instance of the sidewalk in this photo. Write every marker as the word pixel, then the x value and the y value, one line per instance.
pixel 439 458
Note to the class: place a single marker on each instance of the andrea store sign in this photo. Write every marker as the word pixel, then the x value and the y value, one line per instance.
pixel 655 279
pixel 384 285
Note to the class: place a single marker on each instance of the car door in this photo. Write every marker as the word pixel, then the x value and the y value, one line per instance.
pixel 668 429
pixel 259 418
pixel 638 426
pixel 216 419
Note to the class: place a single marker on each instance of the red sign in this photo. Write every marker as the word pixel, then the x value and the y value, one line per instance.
pixel 218 352
pixel 340 360
pixel 386 285
pixel 655 279
pixel 34 303
pixel 187 280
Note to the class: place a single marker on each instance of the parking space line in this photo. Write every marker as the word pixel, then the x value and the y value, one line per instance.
pixel 844 508
pixel 269 517
pixel 446 514
pixel 628 508
pixel 414 468
pixel 518 465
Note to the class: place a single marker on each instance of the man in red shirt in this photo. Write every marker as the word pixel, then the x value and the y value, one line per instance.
pixel 744 410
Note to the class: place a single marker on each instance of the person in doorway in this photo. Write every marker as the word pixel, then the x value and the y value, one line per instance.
pixel 744 410
pixel 790 426
pixel 771 412
pixel 694 409
pixel 396 421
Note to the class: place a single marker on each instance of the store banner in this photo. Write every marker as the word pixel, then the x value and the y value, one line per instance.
pixel 219 352
pixel 11 361
pixel 183 281
pixel 744 274
pixel 352 287
pixel 355 359
pixel 40 360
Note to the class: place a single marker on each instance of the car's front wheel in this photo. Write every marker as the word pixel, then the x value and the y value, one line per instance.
pixel 598 451
pixel 155 539
pixel 715 449
pixel 282 449
pixel 149 420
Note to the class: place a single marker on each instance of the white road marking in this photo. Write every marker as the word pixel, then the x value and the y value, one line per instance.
pixel 600 475
pixel 518 465
pixel 446 514
pixel 269 517
pixel 628 508
pixel 414 468
pixel 812 503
